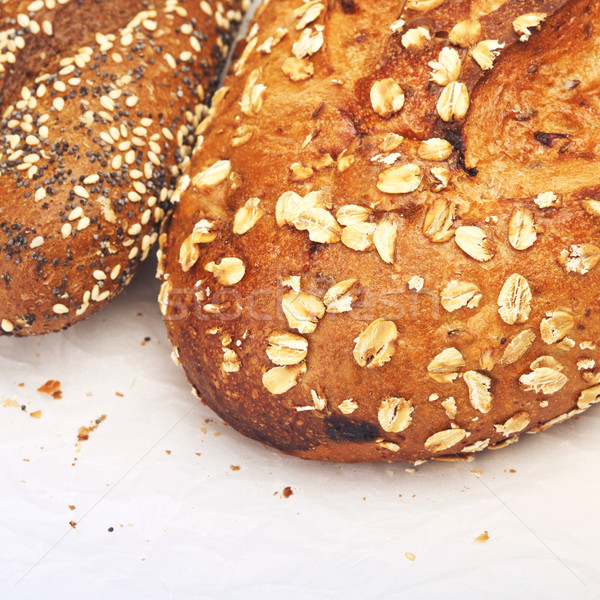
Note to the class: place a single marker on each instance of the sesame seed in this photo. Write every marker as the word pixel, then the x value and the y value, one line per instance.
pixel 58 103
pixel 7 326
pixel 67 70
pixel 91 179
pixel 133 253
pixel 106 137
pixel 99 275
pixel 131 101
pixel 80 191
pixel 107 102
pixel 36 242
pixel 60 309
pixel 195 44
pixel 60 86
pixel 40 194
pixel 146 215
pixel 66 230
pixel 47 28
pixel 23 20
pixel 83 224
pixel 150 25
pixel 76 213
pixel 170 61
pixel 31 140
pixel 31 158
pixel 133 196
pixel 103 296
pixel 115 272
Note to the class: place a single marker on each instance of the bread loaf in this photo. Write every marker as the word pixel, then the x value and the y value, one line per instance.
pixel 386 245
pixel 99 103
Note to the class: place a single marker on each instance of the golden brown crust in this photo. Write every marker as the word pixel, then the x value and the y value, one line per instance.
pixel 466 311
pixel 99 105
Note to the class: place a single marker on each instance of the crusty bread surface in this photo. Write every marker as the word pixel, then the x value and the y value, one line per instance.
pixel 386 244
pixel 99 101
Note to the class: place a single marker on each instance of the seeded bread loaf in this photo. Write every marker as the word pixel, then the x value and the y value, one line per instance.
pixel 99 102
pixel 386 245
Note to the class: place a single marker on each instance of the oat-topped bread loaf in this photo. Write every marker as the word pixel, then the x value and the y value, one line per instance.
pixel 386 246
pixel 99 101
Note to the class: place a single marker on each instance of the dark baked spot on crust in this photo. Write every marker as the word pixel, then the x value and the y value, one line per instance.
pixel 547 139
pixel 340 429
pixel 348 6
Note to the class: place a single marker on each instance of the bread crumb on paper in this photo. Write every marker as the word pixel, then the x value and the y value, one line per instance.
pixel 52 388
pixel 410 556
pixel 83 433
pixel 36 414
pixel 484 537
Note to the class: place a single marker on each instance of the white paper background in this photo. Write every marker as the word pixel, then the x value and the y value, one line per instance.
pixel 187 526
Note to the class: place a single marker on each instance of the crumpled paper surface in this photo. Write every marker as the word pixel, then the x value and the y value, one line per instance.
pixel 198 511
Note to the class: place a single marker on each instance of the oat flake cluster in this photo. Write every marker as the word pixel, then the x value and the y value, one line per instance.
pixel 386 244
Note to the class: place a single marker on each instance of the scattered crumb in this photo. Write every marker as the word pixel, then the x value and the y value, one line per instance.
pixel 198 453
pixel 111 529
pixel 234 467
pixel 71 507
pixel 410 556
pixel 36 414
pixel 410 470
pixel 26 460
pixel 119 395
pixel 484 537
pixel 52 388
pixel 11 404
pixel 217 433
pixel 287 492
pixel 73 524
pixel 477 472
pixel 512 471
pixel 84 432
pixel 167 452
pixel 21 384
